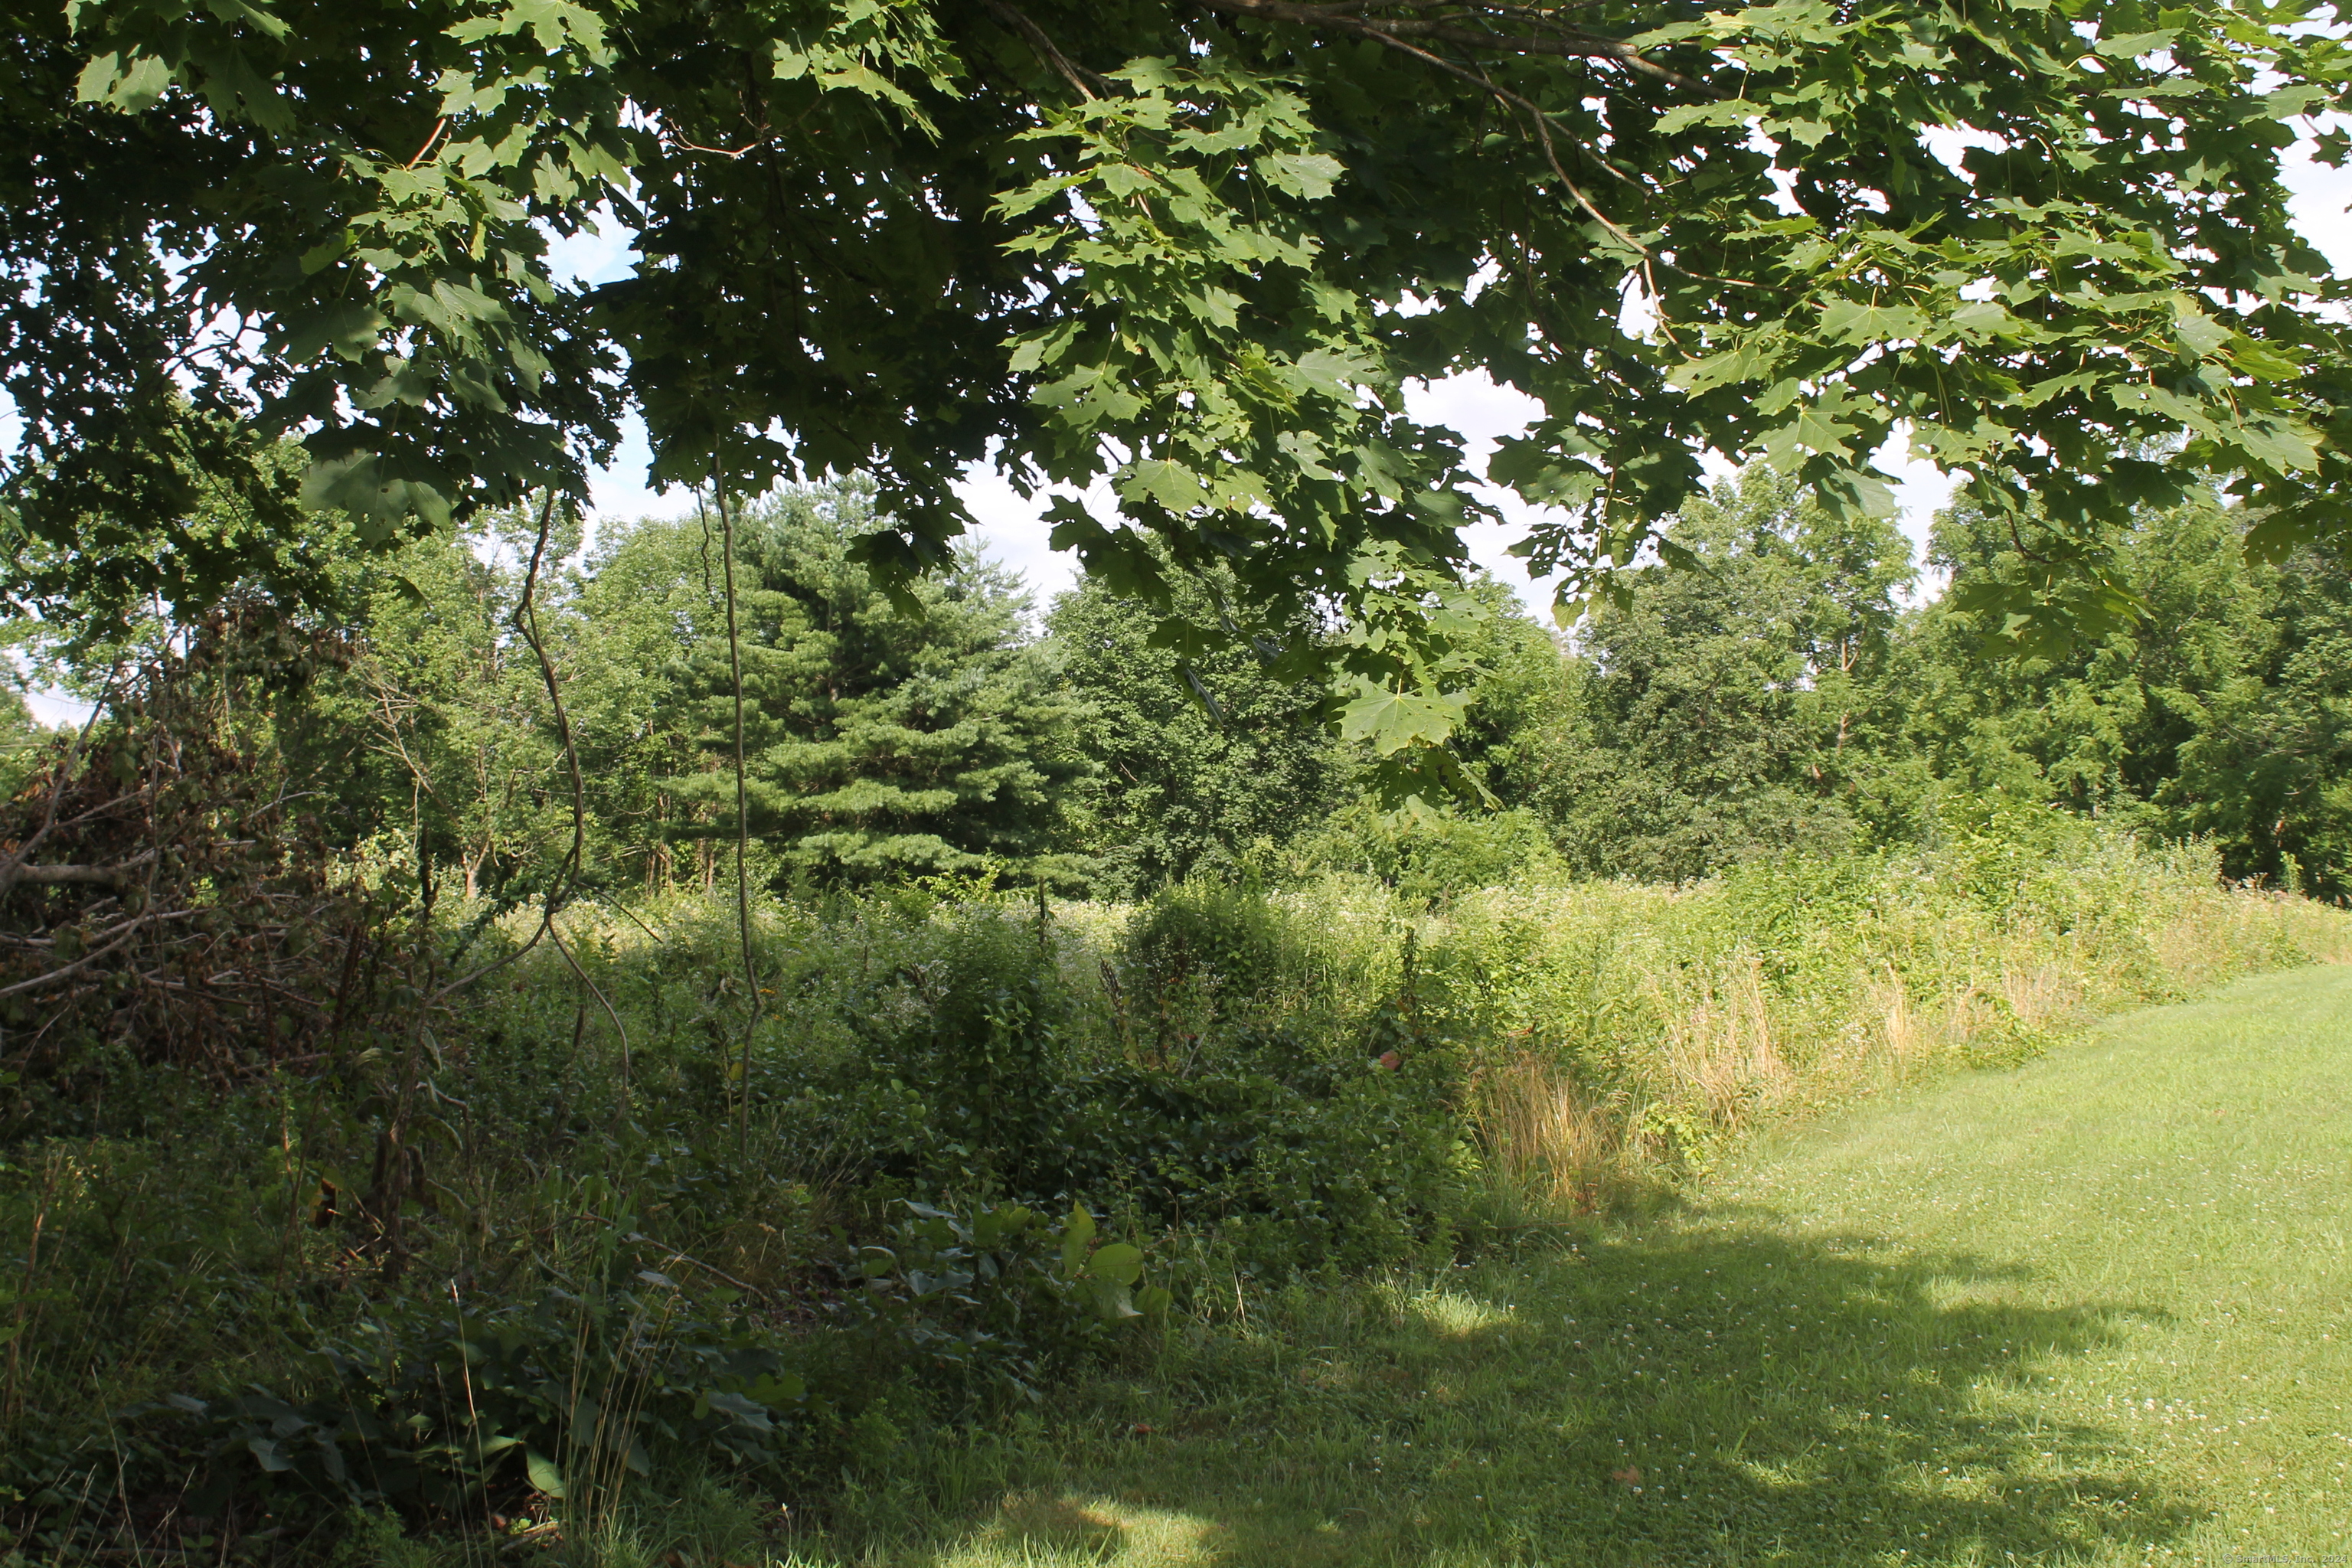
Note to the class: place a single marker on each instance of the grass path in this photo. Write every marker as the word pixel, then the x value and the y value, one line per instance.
pixel 2095 1310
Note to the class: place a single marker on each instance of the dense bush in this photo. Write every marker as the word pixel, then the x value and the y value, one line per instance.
pixel 1431 856
pixel 165 901
pixel 596 1362
pixel 1627 1031
pixel 1300 1147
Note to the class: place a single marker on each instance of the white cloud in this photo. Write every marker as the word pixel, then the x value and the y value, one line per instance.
pixel 2318 197
pixel 1013 530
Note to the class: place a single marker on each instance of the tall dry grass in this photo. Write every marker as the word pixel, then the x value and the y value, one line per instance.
pixel 1625 1037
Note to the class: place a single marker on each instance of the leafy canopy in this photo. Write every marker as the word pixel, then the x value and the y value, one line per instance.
pixel 1204 766
pixel 1727 712
pixel 1194 254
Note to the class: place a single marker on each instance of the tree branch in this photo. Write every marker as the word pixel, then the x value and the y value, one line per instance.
pixel 14 857
pixel 1385 34
pixel 525 620
pixel 128 929
pixel 743 809
pixel 1536 115
pixel 1021 23
pixel 102 876
pixel 1569 43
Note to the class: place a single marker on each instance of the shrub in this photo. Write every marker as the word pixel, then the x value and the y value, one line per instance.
pixel 1619 1035
pixel 1203 944
pixel 1307 1150
pixel 1000 1296
pixel 561 1396
pixel 1430 856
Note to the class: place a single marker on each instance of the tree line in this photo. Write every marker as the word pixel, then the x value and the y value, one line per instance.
pixel 1778 692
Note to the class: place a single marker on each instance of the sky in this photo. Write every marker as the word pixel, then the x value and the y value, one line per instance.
pixel 1012 531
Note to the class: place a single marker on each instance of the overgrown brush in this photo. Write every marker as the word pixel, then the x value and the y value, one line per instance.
pixel 1627 1033
pixel 168 898
pixel 973 1139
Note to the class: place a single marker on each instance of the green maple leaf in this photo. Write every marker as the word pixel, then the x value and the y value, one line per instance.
pixel 1850 322
pixel 1391 721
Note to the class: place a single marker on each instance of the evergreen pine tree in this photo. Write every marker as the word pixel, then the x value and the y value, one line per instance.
pixel 883 739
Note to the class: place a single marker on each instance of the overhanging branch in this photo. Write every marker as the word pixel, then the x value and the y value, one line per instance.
pixel 1528 30
pixel 1085 83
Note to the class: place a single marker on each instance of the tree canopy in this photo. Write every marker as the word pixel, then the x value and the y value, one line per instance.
pixel 884 740
pixel 1199 762
pixel 1725 710
pixel 2224 712
pixel 1195 251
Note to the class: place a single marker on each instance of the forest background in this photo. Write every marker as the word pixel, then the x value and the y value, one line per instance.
pixel 1788 695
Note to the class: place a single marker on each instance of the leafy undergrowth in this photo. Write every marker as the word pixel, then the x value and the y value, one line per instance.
pixel 2090 1310
pixel 987 1193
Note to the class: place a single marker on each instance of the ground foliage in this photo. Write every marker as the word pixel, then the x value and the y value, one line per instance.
pixel 2081 1311
pixel 503 1259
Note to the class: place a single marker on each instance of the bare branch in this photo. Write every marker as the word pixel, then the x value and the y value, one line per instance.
pixel 14 857
pixel 1020 22
pixel 102 876
pixel 129 929
pixel 439 126
pixel 526 621
pixel 1565 41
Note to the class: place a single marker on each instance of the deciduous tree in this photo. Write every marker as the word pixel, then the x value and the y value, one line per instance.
pixel 1196 252
pixel 1728 710
pixel 2226 710
pixel 1202 762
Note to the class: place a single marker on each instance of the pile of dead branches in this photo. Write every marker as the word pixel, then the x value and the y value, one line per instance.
pixel 164 897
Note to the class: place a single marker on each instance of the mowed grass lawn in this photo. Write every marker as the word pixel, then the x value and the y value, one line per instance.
pixel 2096 1309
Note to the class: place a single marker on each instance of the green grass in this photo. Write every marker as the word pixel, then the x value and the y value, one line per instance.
pixel 2096 1309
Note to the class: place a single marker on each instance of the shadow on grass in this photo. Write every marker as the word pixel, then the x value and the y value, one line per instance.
pixel 1717 1395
